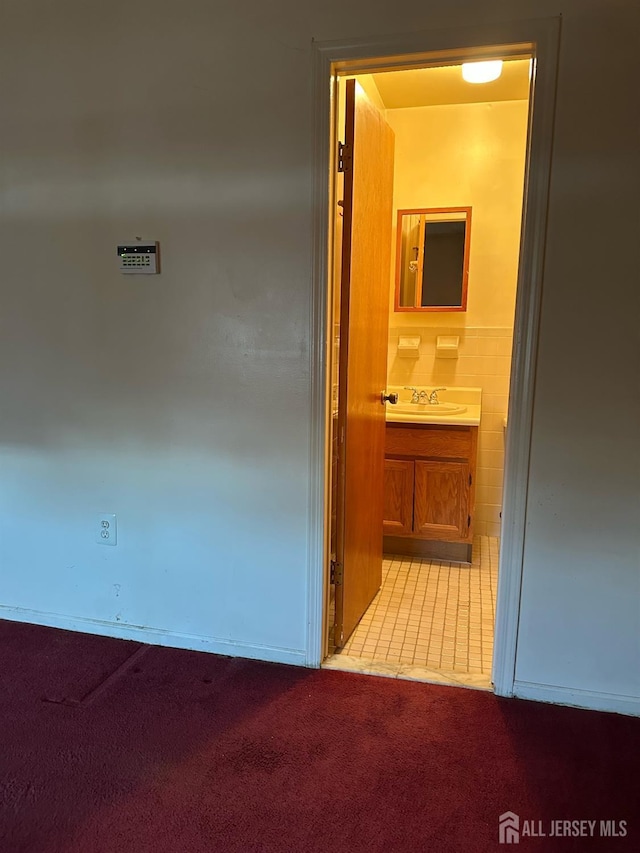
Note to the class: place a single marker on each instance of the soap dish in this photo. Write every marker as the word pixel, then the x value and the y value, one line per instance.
pixel 447 346
pixel 409 347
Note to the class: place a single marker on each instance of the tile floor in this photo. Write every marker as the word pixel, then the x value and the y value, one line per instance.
pixel 430 614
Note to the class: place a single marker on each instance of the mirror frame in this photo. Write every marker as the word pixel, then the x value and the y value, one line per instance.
pixel 465 263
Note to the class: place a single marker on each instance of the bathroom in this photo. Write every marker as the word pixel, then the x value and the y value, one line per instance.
pixel 459 146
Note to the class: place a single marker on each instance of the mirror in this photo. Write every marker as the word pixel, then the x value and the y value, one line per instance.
pixel 432 259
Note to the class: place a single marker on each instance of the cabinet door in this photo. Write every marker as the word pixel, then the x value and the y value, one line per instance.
pixel 398 497
pixel 441 506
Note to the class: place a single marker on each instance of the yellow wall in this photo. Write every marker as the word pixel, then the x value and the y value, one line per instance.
pixel 467 155
pixel 458 156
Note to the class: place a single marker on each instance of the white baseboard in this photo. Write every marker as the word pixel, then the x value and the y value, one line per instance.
pixel 156 637
pixel 591 700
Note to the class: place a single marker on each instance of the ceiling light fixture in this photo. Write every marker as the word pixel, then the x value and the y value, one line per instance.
pixel 481 72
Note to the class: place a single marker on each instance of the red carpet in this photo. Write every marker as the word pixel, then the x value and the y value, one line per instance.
pixel 184 752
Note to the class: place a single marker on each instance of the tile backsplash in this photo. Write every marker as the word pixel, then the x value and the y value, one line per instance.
pixel 484 361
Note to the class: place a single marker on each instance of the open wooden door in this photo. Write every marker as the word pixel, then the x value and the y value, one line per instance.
pixel 364 320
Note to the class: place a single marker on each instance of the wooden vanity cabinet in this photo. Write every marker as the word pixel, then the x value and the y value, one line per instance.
pixel 429 489
pixel 399 480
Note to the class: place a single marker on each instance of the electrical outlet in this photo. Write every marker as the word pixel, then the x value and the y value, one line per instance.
pixel 107 532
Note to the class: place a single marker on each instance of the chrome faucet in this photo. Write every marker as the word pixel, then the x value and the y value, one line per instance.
pixel 432 398
pixel 424 396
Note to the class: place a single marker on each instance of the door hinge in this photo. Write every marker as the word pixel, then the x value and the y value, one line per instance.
pixel 336 573
pixel 345 157
pixel 470 479
pixel 468 521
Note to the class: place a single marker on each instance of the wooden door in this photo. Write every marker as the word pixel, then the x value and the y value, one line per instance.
pixel 398 497
pixel 364 306
pixel 441 505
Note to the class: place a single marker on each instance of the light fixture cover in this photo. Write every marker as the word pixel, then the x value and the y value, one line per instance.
pixel 481 72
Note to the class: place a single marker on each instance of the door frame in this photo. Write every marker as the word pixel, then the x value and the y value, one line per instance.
pixel 542 37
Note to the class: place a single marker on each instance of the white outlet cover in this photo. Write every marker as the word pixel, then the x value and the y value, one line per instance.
pixel 107 531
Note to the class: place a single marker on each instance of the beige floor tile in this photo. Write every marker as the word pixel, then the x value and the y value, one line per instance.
pixel 432 613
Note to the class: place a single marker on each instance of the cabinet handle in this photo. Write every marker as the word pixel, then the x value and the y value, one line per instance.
pixel 388 398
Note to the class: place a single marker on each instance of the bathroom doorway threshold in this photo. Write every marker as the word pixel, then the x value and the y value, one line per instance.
pixel 407 672
pixel 430 621
pixel 538 38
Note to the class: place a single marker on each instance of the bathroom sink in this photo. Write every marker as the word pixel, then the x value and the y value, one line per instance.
pixel 428 409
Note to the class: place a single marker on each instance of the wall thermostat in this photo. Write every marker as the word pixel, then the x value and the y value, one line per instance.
pixel 139 258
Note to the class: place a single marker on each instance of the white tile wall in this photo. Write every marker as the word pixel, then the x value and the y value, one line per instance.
pixel 484 361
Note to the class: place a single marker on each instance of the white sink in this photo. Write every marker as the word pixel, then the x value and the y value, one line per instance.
pixel 428 409
pixel 456 407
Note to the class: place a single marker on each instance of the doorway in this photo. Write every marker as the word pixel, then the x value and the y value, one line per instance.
pixel 442 194
pixel 336 61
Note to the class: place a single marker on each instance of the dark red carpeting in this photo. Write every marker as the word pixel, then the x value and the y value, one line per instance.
pixel 182 751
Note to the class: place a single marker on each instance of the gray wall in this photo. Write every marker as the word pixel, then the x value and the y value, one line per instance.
pixel 181 402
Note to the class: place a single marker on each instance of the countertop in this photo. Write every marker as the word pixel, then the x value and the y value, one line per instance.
pixel 425 413
pixel 470 417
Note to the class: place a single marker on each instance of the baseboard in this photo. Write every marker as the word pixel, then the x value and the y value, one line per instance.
pixel 428 549
pixel 591 700
pixel 156 637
